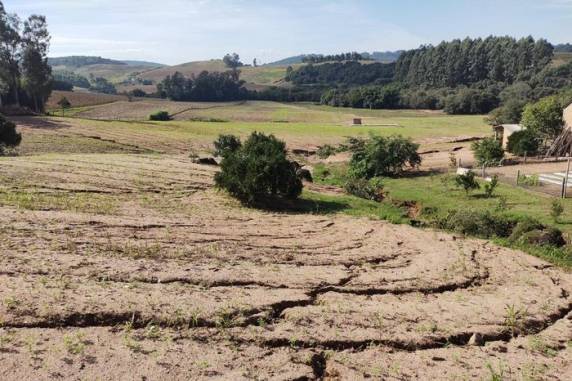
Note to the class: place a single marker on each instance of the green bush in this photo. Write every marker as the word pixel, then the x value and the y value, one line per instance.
pixel 160 116
pixel 326 151
pixel 548 237
pixel 556 210
pixel 523 142
pixel 226 144
pixel 523 227
pixel 467 181
pixel 491 186
pixel 382 156
pixel 479 223
pixel 371 189
pixel 9 137
pixel 488 151
pixel 259 170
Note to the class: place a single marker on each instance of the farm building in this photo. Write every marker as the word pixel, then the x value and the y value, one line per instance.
pixel 504 131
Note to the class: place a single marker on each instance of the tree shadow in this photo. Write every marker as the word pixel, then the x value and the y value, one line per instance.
pixel 38 123
pixel 415 174
pixel 300 206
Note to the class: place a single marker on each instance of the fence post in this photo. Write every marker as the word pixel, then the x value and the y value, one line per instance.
pixel 566 178
pixel 517 177
pixel 562 195
pixel 525 154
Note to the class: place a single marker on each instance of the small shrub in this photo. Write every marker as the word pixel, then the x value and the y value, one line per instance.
pixel 371 189
pixel 160 116
pixel 9 137
pixel 491 186
pixel 502 204
pixel 226 144
pixel 556 210
pixel 326 151
pixel 467 181
pixel 531 181
pixel 488 151
pixel 523 227
pixel 477 223
pixel 259 169
pixel 382 156
pixel 548 237
pixel 523 142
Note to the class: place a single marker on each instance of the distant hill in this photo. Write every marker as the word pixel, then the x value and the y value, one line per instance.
pixel 143 64
pixel 563 48
pixel 384 56
pixel 376 56
pixel 288 61
pixel 115 71
pixel 254 76
pixel 79 61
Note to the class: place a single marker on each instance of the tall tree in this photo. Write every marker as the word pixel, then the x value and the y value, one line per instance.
pixel 10 52
pixel 37 73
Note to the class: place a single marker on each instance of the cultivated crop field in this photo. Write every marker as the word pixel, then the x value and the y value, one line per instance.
pixel 119 257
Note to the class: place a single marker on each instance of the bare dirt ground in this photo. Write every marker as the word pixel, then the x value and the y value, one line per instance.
pixel 132 267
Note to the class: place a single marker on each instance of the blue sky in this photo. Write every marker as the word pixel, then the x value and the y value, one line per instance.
pixel 177 31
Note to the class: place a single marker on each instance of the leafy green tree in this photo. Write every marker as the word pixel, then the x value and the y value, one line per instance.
pixel 259 170
pixel 544 118
pixel 9 137
pixel 10 52
pixel 467 181
pixel 226 144
pixel 523 142
pixel 488 151
pixel 37 73
pixel 64 103
pixel 383 156
pixel 232 61
pixel 509 113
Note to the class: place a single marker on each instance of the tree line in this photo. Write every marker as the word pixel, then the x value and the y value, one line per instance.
pixel 25 75
pixel 205 87
pixel 319 58
pixel 347 74
pixel 469 61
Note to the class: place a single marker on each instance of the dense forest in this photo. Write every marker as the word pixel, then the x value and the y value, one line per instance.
pixel 347 73
pixel 498 59
pixel 471 76
pixel 206 87
pixel 25 75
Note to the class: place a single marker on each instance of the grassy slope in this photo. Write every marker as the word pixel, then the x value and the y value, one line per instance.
pixel 262 75
pixel 437 193
pixel 296 134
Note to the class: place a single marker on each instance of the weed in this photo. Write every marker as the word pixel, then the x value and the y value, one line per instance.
pixel 74 344
pixel 556 210
pixel 537 344
pixel 513 321
pixel 496 375
pixel 11 303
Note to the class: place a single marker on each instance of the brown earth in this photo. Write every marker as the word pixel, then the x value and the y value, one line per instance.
pixel 131 267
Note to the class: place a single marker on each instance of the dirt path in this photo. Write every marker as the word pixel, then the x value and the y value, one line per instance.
pixel 133 267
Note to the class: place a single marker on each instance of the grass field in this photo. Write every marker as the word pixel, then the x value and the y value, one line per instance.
pixel 181 136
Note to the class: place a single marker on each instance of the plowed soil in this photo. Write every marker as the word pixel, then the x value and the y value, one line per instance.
pixel 132 267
